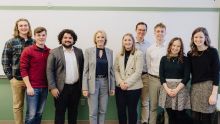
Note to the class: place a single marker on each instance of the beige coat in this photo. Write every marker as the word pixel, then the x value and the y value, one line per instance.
pixel 132 73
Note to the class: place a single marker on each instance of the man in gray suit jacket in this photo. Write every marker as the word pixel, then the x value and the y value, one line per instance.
pixel 64 74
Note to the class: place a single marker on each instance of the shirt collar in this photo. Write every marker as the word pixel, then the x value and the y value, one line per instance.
pixel 38 48
pixel 142 42
pixel 160 45
pixel 65 50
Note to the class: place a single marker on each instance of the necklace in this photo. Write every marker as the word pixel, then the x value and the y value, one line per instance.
pixel 202 50
pixel 200 53
pixel 174 59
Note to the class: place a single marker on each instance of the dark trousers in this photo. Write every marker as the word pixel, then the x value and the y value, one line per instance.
pixel 178 117
pixel 127 100
pixel 67 100
pixel 202 118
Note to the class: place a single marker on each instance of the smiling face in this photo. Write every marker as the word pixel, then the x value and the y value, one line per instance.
pixel 40 38
pixel 100 40
pixel 141 31
pixel 67 40
pixel 23 28
pixel 175 48
pixel 199 39
pixel 128 42
pixel 160 33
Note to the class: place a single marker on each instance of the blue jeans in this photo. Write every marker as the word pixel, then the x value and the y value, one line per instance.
pixel 35 106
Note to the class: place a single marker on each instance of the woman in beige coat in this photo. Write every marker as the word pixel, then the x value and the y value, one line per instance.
pixel 128 68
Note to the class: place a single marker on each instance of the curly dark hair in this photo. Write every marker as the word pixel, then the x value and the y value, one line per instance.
pixel 68 31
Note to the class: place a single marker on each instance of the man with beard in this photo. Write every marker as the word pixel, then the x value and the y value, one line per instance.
pixel 64 74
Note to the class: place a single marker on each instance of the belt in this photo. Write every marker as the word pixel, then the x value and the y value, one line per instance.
pixel 143 73
pixel 71 85
pixel 155 76
pixel 100 76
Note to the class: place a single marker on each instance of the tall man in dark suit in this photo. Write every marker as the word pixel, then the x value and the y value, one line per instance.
pixel 64 74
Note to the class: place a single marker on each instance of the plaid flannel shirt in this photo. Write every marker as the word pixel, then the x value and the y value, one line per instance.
pixel 11 56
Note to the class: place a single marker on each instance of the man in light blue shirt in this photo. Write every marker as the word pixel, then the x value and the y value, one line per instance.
pixel 142 45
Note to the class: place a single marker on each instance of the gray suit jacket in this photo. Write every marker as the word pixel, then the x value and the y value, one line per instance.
pixel 56 68
pixel 131 74
pixel 89 72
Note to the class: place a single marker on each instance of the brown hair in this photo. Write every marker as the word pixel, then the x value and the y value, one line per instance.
pixel 39 30
pixel 68 31
pixel 181 52
pixel 194 49
pixel 16 31
pixel 141 23
pixel 133 46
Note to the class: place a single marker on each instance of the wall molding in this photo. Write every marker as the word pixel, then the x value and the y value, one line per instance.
pixel 116 3
pixel 105 8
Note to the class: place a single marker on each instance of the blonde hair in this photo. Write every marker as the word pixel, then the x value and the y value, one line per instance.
pixel 16 31
pixel 133 46
pixel 103 33
pixel 159 25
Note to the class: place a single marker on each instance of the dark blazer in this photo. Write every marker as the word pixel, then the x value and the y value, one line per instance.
pixel 89 73
pixel 56 67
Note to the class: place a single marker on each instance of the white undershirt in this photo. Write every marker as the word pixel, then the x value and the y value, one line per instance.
pixel 72 74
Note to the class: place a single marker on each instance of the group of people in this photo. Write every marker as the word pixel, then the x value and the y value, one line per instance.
pixel 156 73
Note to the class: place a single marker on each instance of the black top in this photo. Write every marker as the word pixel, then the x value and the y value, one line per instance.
pixel 205 66
pixel 101 63
pixel 173 69
pixel 127 54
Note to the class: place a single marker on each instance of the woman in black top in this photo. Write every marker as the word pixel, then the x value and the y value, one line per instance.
pixel 204 61
pixel 174 75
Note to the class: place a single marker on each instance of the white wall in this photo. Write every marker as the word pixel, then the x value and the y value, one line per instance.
pixel 115 23
pixel 119 3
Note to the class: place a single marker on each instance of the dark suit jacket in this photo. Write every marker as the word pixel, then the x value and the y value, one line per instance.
pixel 56 68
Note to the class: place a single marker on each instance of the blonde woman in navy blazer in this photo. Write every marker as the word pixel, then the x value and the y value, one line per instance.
pixel 128 69
pixel 98 78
